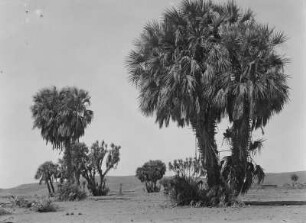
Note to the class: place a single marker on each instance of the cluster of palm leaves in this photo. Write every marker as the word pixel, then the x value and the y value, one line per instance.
pixel 205 61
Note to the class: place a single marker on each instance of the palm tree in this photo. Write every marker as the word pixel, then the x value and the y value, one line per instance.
pixel 62 117
pixel 252 92
pixel 177 64
pixel 47 172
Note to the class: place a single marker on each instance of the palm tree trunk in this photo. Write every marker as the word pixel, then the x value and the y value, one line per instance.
pixel 51 185
pixel 70 176
pixel 77 178
pixel 48 186
pixel 205 133
pixel 240 152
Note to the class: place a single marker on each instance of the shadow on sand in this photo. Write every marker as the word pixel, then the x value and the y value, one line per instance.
pixel 274 203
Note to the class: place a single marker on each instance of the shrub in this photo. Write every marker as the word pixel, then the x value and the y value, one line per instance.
pixel 188 186
pixel 98 189
pixel 4 212
pixel 150 173
pixel 44 205
pixel 21 202
pixel 183 191
pixel 70 192
pixel 294 177
pixel 166 184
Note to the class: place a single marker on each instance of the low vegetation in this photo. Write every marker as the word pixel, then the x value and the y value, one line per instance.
pixel 44 205
pixel 189 186
pixel 4 212
pixel 38 205
pixel 70 192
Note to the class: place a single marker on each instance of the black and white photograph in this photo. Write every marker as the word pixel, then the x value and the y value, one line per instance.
pixel 152 111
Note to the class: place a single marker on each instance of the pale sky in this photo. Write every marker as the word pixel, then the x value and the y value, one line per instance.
pixel 84 43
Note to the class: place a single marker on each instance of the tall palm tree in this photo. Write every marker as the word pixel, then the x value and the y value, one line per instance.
pixel 253 91
pixel 47 172
pixel 176 66
pixel 62 117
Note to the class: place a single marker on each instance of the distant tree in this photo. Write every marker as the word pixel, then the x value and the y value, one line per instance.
pixel 150 173
pixel 294 178
pixel 62 116
pixel 93 164
pixel 46 172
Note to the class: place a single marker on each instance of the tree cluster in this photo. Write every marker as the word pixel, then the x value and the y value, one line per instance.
pixel 62 116
pixel 203 62
pixel 87 163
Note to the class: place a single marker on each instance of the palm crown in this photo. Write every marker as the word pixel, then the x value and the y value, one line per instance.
pixel 62 116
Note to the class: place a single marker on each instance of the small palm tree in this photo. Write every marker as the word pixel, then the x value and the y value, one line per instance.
pixel 62 116
pixel 47 172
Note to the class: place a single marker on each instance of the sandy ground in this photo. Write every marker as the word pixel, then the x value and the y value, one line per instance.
pixel 142 207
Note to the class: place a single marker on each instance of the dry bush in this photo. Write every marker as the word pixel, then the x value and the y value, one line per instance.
pixel 21 202
pixel 45 205
pixel 4 212
pixel 70 192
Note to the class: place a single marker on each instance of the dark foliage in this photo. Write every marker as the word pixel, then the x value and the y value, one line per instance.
pixel 204 60
pixel 70 192
pixel 189 187
pixel 294 177
pixel 21 202
pixel 150 173
pixel 165 182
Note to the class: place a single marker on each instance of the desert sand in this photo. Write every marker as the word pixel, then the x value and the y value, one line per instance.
pixel 134 205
